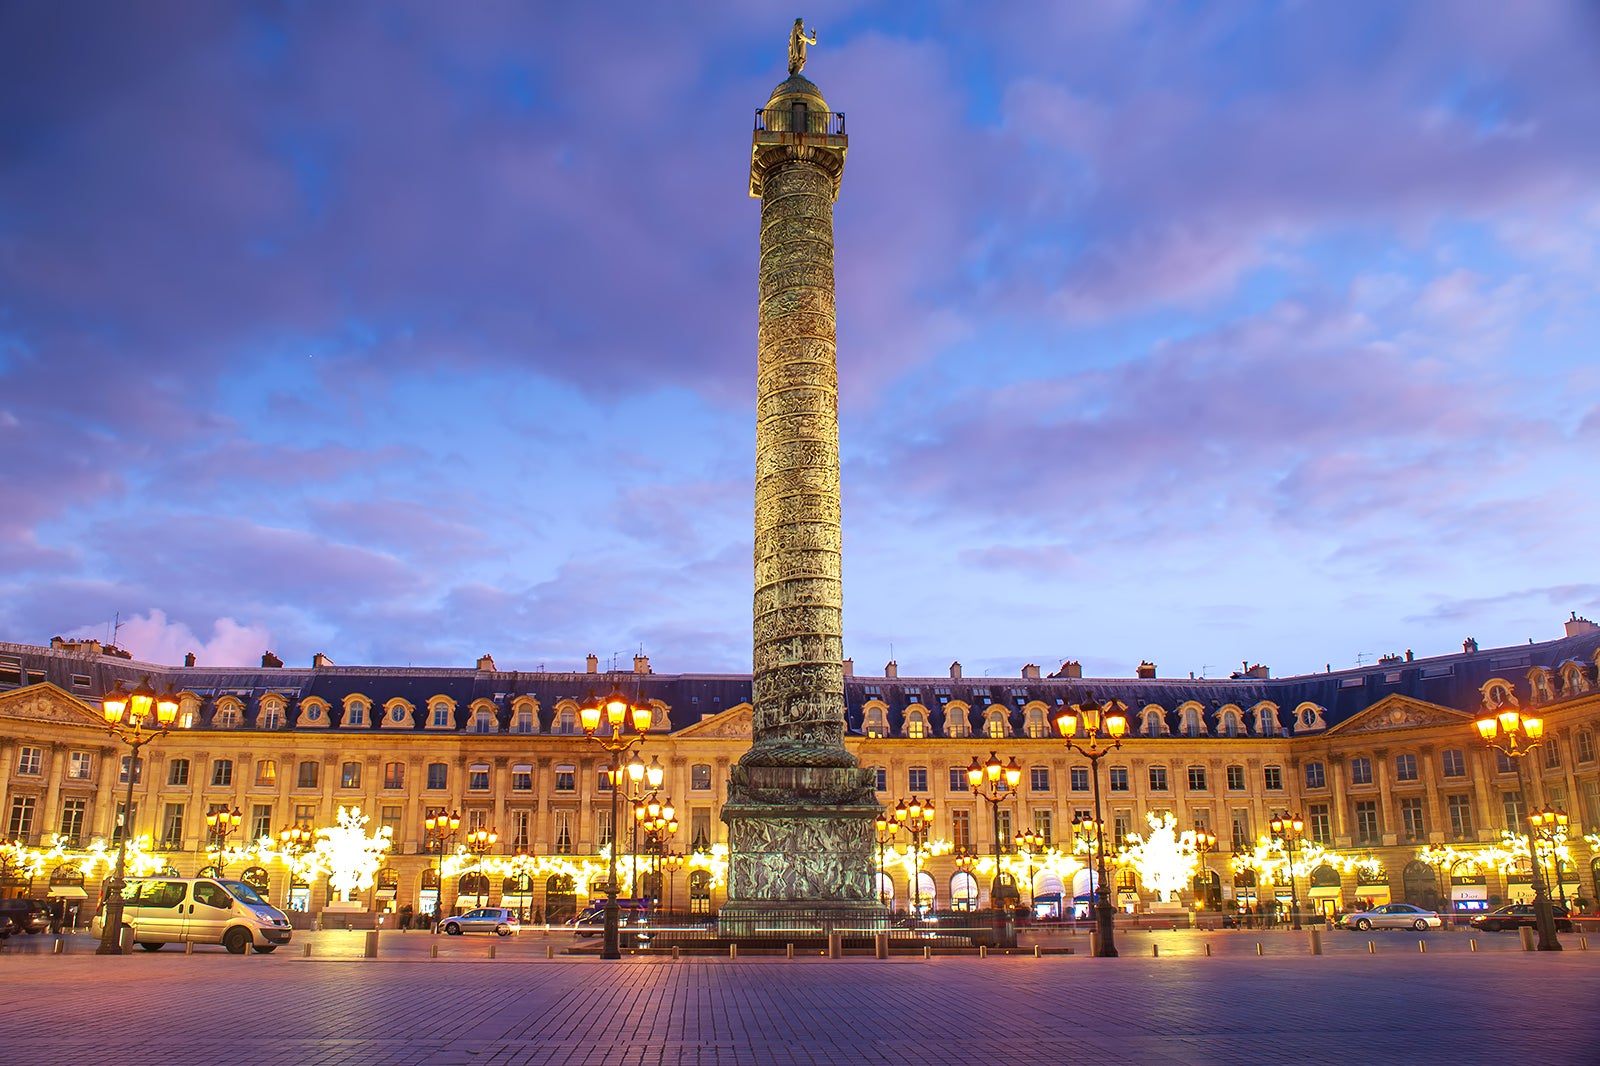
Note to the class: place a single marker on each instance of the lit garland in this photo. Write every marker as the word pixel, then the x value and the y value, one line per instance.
pixel 1269 859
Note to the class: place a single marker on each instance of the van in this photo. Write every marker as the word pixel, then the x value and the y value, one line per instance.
pixel 591 921
pixel 198 910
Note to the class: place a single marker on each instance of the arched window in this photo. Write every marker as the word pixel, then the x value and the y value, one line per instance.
pixel 523 722
pixel 483 721
pixel 916 724
pixel 1153 722
pixel 1231 722
pixel 355 713
pixel 874 721
pixel 995 723
pixel 956 722
pixel 560 898
pixel 1035 723
pixel 700 891
pixel 1193 721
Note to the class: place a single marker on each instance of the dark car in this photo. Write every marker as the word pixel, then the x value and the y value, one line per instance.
pixel 1517 915
pixel 6 928
pixel 27 915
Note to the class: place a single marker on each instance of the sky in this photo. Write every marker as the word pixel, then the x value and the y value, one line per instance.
pixel 1191 333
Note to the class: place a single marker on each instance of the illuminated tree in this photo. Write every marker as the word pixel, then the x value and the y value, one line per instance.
pixel 1165 859
pixel 350 856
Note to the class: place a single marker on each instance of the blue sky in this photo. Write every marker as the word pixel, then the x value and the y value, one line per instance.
pixel 406 332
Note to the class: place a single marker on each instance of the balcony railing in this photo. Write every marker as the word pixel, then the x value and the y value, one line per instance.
pixel 799 120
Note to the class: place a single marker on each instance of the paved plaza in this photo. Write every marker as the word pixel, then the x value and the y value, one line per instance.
pixel 1449 1005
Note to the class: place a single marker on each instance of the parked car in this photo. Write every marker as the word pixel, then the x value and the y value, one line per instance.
pixel 6 928
pixel 591 921
pixel 1393 916
pixel 1517 915
pixel 158 911
pixel 27 915
pixel 501 921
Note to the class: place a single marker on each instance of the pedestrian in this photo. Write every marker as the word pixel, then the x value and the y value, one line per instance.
pixel 438 913
pixel 405 917
pixel 57 913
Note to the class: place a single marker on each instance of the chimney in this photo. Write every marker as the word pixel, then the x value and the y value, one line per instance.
pixel 320 661
pixel 270 660
pixel 1147 671
pixel 955 671
pixel 1030 672
pixel 1576 625
pixel 849 667
pixel 641 664
pixel 593 663
pixel 1070 668
pixel 188 660
pixel 1469 646
pixel 486 663
pixel 891 669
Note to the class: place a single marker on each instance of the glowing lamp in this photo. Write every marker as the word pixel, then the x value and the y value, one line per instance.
pixel 1116 721
pixel 616 707
pixel 1509 720
pixel 589 717
pixel 975 774
pixel 655 773
pixel 642 715
pixel 1091 710
pixel 1013 774
pixel 1533 727
pixel 1067 724
pixel 115 704
pixel 1488 728
pixel 167 708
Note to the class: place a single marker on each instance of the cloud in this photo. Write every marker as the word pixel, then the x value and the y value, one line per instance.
pixel 153 638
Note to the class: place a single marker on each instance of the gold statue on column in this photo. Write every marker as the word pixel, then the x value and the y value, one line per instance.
pixel 797 45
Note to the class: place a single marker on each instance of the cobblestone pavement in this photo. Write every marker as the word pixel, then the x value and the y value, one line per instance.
pixel 1393 1006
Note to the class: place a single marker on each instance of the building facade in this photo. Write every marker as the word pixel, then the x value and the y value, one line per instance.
pixel 1379 761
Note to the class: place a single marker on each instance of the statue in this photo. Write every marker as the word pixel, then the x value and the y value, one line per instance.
pixel 797 46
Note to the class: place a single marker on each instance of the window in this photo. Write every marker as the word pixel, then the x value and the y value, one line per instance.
pixel 1552 753
pixel 80 765
pixel 30 761
pixel 1197 779
pixel 308 773
pixel 1453 763
pixel 521 827
pixel 72 812
pixel 478 777
pixel 178 772
pixel 1361 771
pixel 958 779
pixel 305 814
pixel 1006 843
pixel 350 775
pixel 1460 808
pixel 566 723
pixel 483 721
pixel 1039 779
pixel 1321 825
pixel 522 777
pixel 1158 779
pixel 227 717
pixel 1367 830
pixel 356 713
pixel 125 817
pixel 1591 806
pixel 917 779
pixel 961 830
pixel 1272 778
pixel 1121 824
pixel 394 775
pixel 21 822
pixel 1412 822
pixel 1241 830
pixel 566 779
pixel 266 772
pixel 602 826
pixel 700 777
pixel 1405 767
pixel 271 716
pixel 1516 814
pixel 138 770
pixel 438 775
pixel 916 726
pixel 1044 824
pixel 260 821
pixel 441 716
pixel 1119 778
pixel 1316 777
pixel 880 778
pixel 995 727
pixel 563 832
pixel 1235 779
pixel 172 826
pixel 390 817
pixel 700 829
pixel 1585 745
pixel 221 773
pixel 1502 763
pixel 1080 778
pixel 523 722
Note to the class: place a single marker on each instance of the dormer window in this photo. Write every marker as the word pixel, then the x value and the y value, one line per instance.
pixel 441 715
pixel 356 714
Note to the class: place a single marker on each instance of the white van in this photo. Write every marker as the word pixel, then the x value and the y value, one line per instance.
pixel 201 910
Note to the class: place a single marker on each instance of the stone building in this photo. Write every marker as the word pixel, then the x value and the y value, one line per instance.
pixel 1378 760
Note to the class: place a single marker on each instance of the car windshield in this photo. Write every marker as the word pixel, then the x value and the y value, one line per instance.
pixel 244 893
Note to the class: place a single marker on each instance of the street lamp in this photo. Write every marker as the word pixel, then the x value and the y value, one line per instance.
pixel 995 782
pixel 441 829
pixel 637 796
pixel 1551 828
pixel 1205 842
pixel 966 862
pixel 479 842
pixel 672 861
pixel 887 828
pixel 1030 843
pixel 126 714
pixel 915 818
pixel 1515 736
pixel 616 710
pixel 659 821
pixel 294 841
pixel 1290 830
pixel 1102 729
pixel 220 823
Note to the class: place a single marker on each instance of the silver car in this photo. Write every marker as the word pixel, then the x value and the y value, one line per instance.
pixel 501 921
pixel 1393 916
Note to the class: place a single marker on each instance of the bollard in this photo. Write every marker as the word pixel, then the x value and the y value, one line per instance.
pixel 549 951
pixel 1258 947
pixel 835 945
pixel 733 951
pixel 60 947
pixel 983 951
pixel 369 950
pixel 880 945
pixel 788 951
pixel 1155 951
pixel 1372 947
pixel 305 950
pixel 927 952
pixel 1208 951
pixel 674 952
pixel 491 951
pixel 1315 939
pixel 1422 947
pixel 1472 945
pixel 188 947
pixel 1036 952
pixel 1583 943
pixel 433 951
pixel 1527 938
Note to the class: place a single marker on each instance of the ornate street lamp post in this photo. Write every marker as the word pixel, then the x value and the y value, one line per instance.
pixel 616 711
pixel 294 841
pixel 1030 843
pixel 1101 730
pixel 995 782
pixel 1205 842
pixel 126 714
pixel 1511 733
pixel 480 841
pixel 441 829
pixel 915 818
pixel 1551 828
pixel 1290 830
pixel 966 862
pixel 659 821
pixel 219 824
pixel 887 828
pixel 673 862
